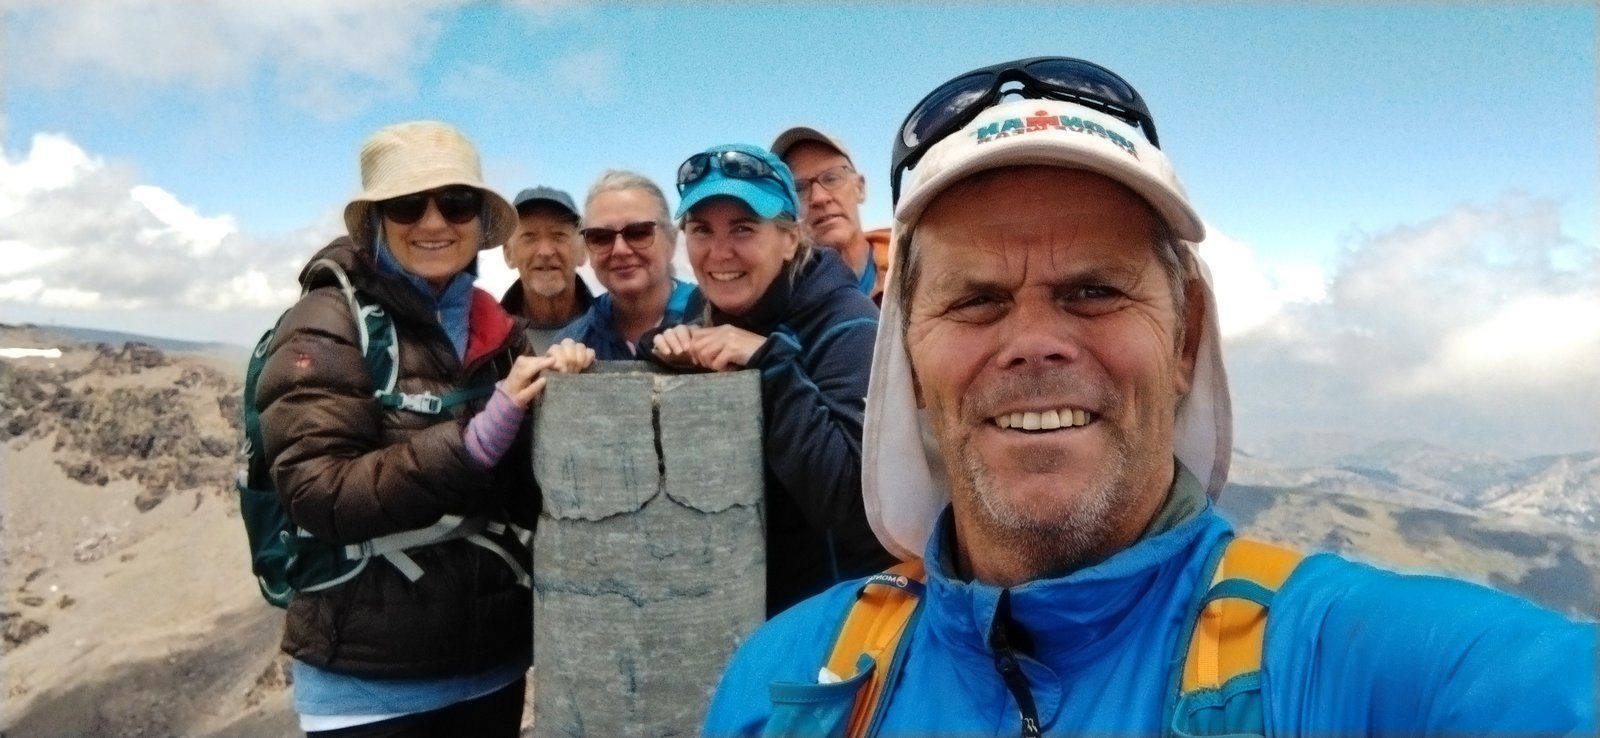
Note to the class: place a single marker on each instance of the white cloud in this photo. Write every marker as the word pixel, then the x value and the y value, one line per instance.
pixel 21 290
pixel 89 236
pixel 1250 295
pixel 590 75
pixel 1480 327
pixel 329 57
pixel 178 221
pixel 1539 343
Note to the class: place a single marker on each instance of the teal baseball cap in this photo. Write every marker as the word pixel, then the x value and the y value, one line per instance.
pixel 750 174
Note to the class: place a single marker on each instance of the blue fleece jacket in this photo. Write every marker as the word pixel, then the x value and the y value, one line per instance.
pixel 1350 651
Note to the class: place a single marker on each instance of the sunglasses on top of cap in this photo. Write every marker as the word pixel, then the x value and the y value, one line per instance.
pixel 958 101
pixel 735 164
pixel 457 204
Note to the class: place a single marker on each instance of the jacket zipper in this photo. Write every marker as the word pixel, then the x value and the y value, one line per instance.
pixel 1005 662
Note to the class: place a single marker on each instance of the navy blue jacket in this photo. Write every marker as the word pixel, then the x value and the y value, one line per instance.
pixel 814 368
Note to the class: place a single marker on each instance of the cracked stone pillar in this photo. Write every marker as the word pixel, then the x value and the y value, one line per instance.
pixel 649 560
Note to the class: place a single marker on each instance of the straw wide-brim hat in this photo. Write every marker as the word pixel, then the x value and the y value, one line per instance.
pixel 415 157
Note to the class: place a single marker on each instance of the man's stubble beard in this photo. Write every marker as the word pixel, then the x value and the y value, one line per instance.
pixel 550 291
pixel 1069 535
pixel 1049 543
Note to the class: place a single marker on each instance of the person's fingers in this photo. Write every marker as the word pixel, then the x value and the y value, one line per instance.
pixel 678 338
pixel 564 360
pixel 705 351
pixel 525 396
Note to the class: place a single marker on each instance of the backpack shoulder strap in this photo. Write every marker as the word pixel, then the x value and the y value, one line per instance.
pixel 1217 691
pixel 886 604
pixel 380 346
pixel 1232 624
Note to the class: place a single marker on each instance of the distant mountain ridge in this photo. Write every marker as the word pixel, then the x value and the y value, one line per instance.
pixel 96 335
pixel 1564 488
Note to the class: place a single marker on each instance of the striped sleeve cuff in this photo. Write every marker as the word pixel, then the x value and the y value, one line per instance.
pixel 491 432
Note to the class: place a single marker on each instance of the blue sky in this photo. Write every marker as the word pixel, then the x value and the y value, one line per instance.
pixel 197 149
pixel 1290 125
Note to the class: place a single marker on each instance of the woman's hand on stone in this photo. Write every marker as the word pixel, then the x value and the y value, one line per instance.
pixel 570 356
pixel 671 346
pixel 723 347
pixel 524 382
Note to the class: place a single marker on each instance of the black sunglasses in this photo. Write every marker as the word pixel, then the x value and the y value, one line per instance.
pixel 457 204
pixel 602 240
pixel 958 101
pixel 736 164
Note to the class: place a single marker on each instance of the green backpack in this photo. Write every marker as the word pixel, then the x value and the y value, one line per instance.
pixel 286 559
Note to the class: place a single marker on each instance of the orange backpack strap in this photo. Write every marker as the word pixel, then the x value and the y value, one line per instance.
pixel 872 630
pixel 1232 625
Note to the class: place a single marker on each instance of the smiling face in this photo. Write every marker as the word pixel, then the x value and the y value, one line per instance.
pixel 434 248
pixel 545 249
pixel 1045 345
pixel 735 254
pixel 625 271
pixel 833 215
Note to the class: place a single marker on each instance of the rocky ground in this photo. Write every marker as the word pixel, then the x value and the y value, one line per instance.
pixel 125 600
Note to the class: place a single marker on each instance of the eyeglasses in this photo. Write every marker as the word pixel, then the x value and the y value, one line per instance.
pixel 457 204
pixel 602 240
pixel 830 180
pixel 958 101
pixel 736 164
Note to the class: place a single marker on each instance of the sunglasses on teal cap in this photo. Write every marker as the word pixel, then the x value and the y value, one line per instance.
pixel 733 163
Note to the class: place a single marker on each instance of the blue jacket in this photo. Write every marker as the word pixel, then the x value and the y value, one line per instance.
pixel 596 330
pixel 814 368
pixel 1350 650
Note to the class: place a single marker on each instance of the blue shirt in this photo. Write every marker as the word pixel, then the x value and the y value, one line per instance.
pixel 597 329
pixel 1350 650
pixel 319 692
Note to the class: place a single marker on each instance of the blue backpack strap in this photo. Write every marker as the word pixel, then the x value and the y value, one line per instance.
pixel 1216 689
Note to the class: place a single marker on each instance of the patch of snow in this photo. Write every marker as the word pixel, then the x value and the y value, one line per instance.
pixel 30 353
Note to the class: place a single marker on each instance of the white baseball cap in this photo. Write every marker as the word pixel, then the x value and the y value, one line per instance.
pixel 903 479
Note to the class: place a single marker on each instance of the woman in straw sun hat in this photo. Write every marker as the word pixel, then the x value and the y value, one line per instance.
pixel 433 636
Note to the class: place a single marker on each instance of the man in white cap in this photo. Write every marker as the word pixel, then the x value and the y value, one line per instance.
pixel 1047 420
pixel 831 193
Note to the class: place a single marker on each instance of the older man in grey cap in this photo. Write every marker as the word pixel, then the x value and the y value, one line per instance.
pixel 546 252
pixel 1047 420
pixel 831 193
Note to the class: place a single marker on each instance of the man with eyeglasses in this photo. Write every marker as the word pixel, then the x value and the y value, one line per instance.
pixel 831 193
pixel 628 231
pixel 546 252
pixel 1047 421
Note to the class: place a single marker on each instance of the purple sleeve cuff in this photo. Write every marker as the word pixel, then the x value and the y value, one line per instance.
pixel 491 432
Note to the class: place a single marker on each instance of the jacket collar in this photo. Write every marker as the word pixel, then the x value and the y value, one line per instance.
pixel 515 302
pixel 1075 616
pixel 811 286
pixel 489 326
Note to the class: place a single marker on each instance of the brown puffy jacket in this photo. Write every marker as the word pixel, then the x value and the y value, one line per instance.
pixel 349 470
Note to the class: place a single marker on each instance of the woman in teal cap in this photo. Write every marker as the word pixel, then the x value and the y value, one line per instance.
pixel 777 305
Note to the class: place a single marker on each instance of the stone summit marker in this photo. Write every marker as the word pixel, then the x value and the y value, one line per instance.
pixel 650 558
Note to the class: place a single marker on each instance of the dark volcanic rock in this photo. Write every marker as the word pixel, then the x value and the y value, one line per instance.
pixel 146 431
